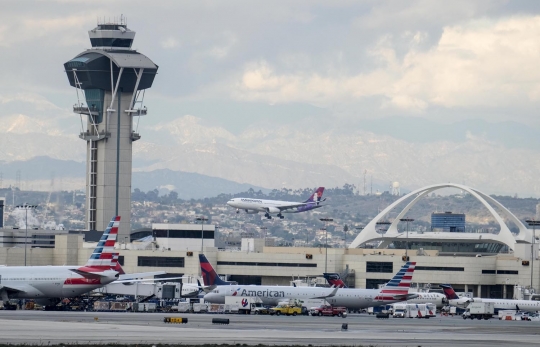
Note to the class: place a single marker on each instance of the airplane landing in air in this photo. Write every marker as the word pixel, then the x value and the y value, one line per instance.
pixel 253 206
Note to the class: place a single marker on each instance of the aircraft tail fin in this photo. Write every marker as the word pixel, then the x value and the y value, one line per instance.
pixel 398 287
pixel 449 292
pixel 334 279
pixel 209 275
pixel 316 196
pixel 102 257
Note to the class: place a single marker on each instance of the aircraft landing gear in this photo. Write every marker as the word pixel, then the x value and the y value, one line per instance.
pixel 280 216
pixel 267 215
pixel 237 210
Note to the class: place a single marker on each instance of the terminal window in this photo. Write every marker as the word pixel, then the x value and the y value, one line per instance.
pixel 380 266
pixel 249 263
pixel 373 283
pixel 439 268
pixel 184 234
pixel 161 261
pixel 507 272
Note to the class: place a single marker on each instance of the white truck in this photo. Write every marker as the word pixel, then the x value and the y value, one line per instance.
pixel 431 310
pixel 417 311
pixel 244 304
pixel 479 310
pixel 400 310
pixel 508 315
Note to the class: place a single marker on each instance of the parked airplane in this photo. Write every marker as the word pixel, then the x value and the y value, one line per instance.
pixel 334 279
pixel 210 278
pixel 47 284
pixel 253 206
pixel 395 290
pixel 499 304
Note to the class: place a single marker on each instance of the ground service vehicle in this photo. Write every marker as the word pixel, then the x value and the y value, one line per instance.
pixel 286 310
pixel 431 310
pixel 328 310
pixel 400 310
pixel 479 310
pixel 507 314
pixel 417 311
pixel 244 304
pixel 261 310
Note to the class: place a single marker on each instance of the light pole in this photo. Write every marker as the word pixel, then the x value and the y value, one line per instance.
pixel 407 249
pixel 345 231
pixel 534 224
pixel 26 207
pixel 202 219
pixel 326 220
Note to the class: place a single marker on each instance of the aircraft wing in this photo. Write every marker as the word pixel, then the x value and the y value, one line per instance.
pixel 405 296
pixel 86 274
pixel 300 204
pixel 333 293
pixel 12 289
pixel 125 280
pixel 140 275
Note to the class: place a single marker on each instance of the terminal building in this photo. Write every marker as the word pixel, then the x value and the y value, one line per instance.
pixel 485 264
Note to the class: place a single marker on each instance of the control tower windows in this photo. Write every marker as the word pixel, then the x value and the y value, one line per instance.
pixel 94 100
pixel 110 42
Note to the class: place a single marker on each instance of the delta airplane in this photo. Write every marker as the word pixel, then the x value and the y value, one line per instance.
pixel 210 278
pixel 499 304
pixel 253 206
pixel 334 279
pixel 395 290
pixel 47 284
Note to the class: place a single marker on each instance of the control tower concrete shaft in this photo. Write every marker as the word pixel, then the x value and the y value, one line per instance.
pixel 110 80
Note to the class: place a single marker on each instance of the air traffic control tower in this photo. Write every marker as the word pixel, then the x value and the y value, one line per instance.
pixel 110 79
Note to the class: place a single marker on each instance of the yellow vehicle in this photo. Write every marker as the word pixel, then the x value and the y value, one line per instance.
pixel 286 310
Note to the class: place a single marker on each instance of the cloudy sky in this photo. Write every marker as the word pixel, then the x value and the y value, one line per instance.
pixel 379 65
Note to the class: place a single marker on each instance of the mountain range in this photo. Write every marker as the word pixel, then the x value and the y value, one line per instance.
pixel 297 154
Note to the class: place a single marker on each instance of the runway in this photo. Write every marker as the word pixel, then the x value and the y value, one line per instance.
pixel 39 327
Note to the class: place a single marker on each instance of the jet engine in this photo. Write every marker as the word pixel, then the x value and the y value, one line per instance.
pixel 273 210
pixel 251 211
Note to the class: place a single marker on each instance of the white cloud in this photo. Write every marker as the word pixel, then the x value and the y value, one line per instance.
pixel 481 63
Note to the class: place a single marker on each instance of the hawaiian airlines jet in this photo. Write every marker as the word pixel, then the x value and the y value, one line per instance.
pixel 253 206
pixel 334 279
pixel 47 284
pixel 395 290
pixel 499 304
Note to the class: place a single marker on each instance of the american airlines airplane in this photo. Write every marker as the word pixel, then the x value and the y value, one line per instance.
pixel 499 304
pixel 334 279
pixel 395 290
pixel 253 206
pixel 47 284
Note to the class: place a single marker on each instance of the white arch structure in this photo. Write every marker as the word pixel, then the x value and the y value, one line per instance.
pixel 369 233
